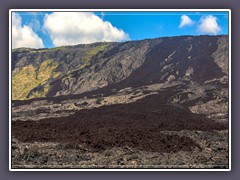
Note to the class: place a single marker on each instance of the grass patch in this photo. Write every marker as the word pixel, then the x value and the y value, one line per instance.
pixel 43 93
pixel 30 77
pixel 93 52
pixel 86 59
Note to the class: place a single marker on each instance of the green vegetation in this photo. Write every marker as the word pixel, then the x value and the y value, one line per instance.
pixel 93 52
pixel 43 93
pixel 30 77
pixel 23 81
pixel 46 70
pixel 86 59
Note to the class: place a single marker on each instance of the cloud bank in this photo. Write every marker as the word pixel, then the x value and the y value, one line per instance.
pixel 24 36
pixel 71 28
pixel 185 21
pixel 209 25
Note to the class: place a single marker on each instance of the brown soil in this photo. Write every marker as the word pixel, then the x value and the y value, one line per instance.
pixel 137 125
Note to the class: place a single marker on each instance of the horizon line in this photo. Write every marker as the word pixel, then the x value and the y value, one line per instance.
pixel 121 41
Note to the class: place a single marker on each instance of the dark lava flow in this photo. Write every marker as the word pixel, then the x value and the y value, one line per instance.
pixel 137 125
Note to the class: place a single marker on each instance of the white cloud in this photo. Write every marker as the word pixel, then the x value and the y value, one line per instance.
pixel 71 28
pixel 24 36
pixel 185 21
pixel 209 25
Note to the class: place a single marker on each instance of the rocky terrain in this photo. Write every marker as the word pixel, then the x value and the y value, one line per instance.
pixel 155 103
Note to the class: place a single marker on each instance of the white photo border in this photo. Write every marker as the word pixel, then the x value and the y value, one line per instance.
pixel 117 10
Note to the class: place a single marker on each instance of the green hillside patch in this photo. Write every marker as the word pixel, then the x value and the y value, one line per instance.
pixel 23 81
pixel 86 59
pixel 30 77
pixel 41 92
pixel 89 54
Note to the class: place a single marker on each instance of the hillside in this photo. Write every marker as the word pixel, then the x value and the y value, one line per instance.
pixel 83 68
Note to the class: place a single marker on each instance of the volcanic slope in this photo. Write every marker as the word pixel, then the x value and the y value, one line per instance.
pixel 83 68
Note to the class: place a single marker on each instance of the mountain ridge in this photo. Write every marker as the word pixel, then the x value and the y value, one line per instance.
pixel 82 68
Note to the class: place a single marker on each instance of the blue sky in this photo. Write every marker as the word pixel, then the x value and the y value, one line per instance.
pixel 51 29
